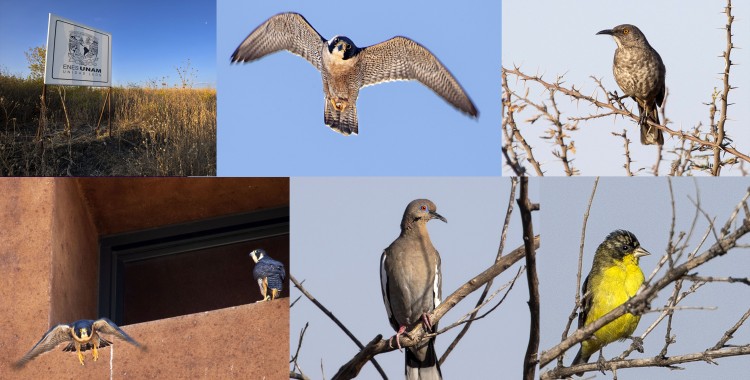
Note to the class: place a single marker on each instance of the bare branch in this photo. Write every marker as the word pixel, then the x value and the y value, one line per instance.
pixel 335 320
pixel 716 170
pixel 416 333
pixel 512 134
pixel 626 145
pixel 503 234
pixel 298 375
pixel 728 334
pixel 577 293
pixel 613 106
pixel 526 207
pixel 696 278
pixel 668 362
pixel 470 316
pixel 639 303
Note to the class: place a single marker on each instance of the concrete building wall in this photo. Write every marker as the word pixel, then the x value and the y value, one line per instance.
pixel 26 209
pixel 75 256
pixel 49 274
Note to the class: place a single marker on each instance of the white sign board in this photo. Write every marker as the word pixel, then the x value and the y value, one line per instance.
pixel 77 55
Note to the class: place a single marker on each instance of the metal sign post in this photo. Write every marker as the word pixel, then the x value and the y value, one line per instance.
pixel 77 55
pixel 108 104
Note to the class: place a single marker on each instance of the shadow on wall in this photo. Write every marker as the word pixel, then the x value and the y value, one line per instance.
pixel 50 273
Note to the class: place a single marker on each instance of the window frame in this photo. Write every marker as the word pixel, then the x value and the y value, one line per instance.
pixel 119 249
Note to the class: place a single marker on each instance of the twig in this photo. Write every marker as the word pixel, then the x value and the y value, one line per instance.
pixel 335 320
pixel 639 302
pixel 514 134
pixel 728 334
pixel 294 302
pixel 577 293
pixel 574 93
pixel 300 374
pixel 503 234
pixel 725 92
pixel 626 144
pixel 416 334
pixel 470 316
pixel 696 278
pixel 668 362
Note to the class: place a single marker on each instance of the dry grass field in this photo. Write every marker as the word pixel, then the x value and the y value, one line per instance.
pixel 155 131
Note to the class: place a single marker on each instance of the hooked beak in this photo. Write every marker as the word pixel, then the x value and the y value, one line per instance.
pixel 607 31
pixel 640 252
pixel 434 215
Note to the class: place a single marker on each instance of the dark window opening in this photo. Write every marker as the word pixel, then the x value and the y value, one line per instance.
pixel 188 268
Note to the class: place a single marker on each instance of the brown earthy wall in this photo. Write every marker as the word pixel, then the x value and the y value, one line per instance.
pixel 75 256
pixel 49 231
pixel 243 342
pixel 25 263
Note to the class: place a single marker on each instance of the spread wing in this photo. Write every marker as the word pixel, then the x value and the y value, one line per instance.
pixel 50 340
pixel 104 325
pixel 403 59
pixel 285 31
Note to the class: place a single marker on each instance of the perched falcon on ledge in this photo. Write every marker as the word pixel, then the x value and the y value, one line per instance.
pixel 269 274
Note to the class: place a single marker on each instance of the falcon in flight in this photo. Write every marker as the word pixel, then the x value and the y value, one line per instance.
pixel 82 335
pixel 346 68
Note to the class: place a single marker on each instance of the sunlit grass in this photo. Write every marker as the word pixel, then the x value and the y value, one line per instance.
pixel 155 131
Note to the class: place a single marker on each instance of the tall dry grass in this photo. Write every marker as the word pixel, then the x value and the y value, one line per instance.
pixel 155 132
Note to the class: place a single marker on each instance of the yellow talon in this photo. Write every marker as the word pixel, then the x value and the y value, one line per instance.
pixel 80 357
pixel 96 353
pixel 339 106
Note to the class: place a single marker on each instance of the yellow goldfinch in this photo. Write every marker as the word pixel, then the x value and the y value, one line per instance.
pixel 615 277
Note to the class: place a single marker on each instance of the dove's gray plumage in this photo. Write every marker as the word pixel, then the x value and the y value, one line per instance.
pixel 411 283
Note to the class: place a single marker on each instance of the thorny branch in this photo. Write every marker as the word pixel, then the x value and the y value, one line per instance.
pixel 512 136
pixel 719 129
pixel 688 148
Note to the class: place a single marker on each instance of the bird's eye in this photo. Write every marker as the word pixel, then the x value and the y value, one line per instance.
pixel 625 31
pixel 424 208
pixel 624 247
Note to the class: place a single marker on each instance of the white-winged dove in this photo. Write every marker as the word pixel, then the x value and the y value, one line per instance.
pixel 412 285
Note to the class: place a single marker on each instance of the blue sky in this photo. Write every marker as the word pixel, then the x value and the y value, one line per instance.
pixel 271 111
pixel 560 38
pixel 149 38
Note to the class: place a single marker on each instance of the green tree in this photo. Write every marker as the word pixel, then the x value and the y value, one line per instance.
pixel 36 57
